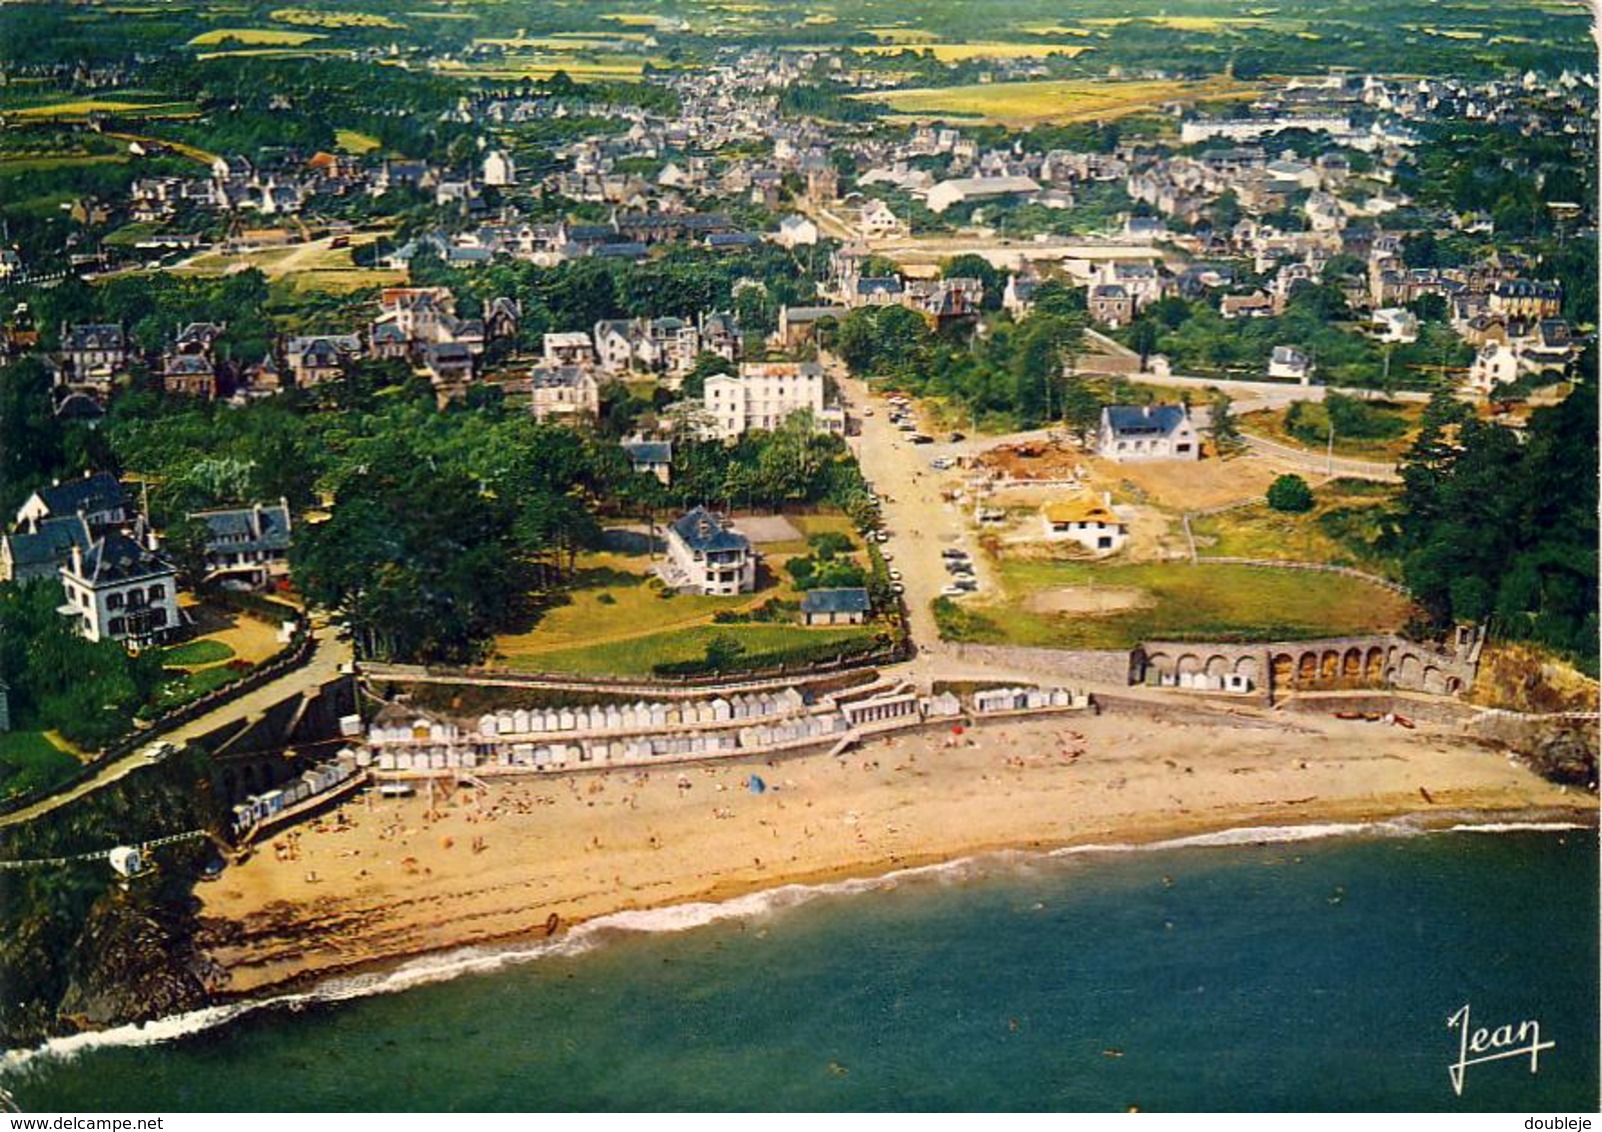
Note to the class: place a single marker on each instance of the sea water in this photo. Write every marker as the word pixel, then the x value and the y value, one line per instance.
pixel 1312 969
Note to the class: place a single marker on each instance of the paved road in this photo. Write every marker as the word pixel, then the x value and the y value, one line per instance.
pixel 1319 464
pixel 328 654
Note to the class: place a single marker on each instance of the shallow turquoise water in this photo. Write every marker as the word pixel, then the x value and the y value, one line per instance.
pixel 1304 975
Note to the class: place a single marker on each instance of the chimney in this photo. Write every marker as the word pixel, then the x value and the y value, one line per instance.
pixel 1106 499
pixel 77 560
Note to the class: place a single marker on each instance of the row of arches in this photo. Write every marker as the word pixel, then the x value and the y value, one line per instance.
pixel 1322 667
pixel 238 780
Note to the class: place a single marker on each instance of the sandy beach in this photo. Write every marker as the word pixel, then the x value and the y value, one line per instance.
pixel 382 879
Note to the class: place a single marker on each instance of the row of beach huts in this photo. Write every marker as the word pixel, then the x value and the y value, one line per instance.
pixel 402 740
pixel 269 806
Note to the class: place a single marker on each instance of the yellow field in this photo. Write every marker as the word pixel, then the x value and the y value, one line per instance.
pixel 314 266
pixel 1184 23
pixel 577 69
pixel 961 52
pixel 307 17
pixel 638 19
pixel 1052 29
pixel 902 35
pixel 1074 100
pixel 254 35
pixel 605 37
pixel 271 52
pixel 352 141
pixel 574 43
pixel 88 106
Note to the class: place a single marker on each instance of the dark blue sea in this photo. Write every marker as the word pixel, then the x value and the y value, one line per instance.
pixel 1314 972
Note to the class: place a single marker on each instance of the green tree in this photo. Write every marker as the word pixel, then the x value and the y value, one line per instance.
pixel 1226 431
pixel 1290 493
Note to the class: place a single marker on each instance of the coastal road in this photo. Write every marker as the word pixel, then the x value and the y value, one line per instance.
pixel 329 653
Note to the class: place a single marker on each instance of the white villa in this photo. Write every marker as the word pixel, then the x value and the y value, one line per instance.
pixel 705 556
pixel 763 394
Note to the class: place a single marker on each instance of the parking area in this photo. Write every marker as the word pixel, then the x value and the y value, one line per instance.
pixel 927 538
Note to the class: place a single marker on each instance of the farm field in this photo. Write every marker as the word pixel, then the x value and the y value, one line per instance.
pixel 1069 100
pixel 272 36
pixel 961 52
pixel 353 141
pixel 307 17
pixel 1057 603
pixel 82 108
pixel 537 67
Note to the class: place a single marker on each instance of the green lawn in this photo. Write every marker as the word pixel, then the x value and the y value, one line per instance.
pixel 635 656
pixel 30 763
pixel 195 653
pixel 181 687
pixel 617 619
pixel 1180 601
pixel 614 598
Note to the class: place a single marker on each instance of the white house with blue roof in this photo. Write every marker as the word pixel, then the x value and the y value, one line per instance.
pixel 1131 433
pixel 706 556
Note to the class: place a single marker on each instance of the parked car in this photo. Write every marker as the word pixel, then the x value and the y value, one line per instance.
pixel 922 438
pixel 952 590
pixel 895 575
pixel 897 588
pixel 953 552
pixel 967 585
pixel 957 437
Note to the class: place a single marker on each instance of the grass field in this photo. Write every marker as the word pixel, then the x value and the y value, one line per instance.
pixel 1348 515
pixel 195 653
pixel 30 763
pixel 271 36
pixel 1069 100
pixel 637 655
pixel 10 164
pixel 1181 601
pixel 961 52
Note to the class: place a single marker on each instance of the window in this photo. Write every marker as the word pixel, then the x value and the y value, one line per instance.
pixel 157 592
pixel 114 601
